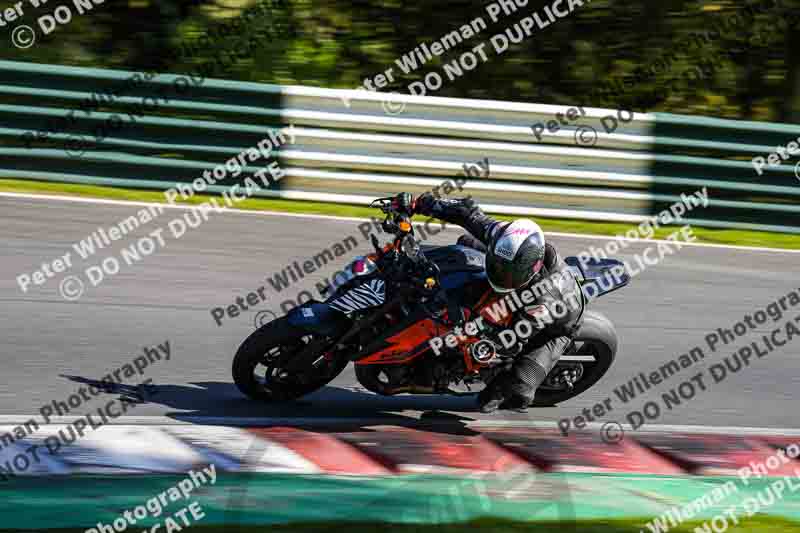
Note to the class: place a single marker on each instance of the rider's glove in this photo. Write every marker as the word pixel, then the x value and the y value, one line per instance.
pixel 424 203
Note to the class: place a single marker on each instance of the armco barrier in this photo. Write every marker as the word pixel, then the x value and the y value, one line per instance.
pixel 351 148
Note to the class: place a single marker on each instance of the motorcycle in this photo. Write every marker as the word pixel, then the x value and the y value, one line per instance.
pixel 393 302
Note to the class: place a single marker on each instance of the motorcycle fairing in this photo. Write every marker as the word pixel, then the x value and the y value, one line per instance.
pixel 317 317
pixel 402 341
pixel 599 276
pixel 461 270
pixel 371 293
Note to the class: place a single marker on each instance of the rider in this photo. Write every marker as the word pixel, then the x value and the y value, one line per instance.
pixel 517 257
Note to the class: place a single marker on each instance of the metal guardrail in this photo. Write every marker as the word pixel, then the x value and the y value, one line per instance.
pixel 349 149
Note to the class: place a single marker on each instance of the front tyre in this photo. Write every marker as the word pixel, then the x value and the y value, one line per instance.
pixel 257 368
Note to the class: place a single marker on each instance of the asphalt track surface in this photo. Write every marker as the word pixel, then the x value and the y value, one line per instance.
pixel 50 344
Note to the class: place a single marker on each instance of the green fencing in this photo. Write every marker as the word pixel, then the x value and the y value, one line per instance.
pixel 152 130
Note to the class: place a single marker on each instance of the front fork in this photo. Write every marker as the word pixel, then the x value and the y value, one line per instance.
pixel 325 326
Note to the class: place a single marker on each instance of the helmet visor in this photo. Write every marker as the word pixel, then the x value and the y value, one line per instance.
pixel 506 276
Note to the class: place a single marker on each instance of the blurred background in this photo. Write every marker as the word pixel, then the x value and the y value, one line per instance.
pixel 748 70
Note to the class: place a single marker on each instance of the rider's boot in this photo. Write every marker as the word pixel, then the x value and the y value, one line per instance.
pixel 494 394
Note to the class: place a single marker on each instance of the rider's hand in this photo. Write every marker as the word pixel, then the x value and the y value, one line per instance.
pixel 423 203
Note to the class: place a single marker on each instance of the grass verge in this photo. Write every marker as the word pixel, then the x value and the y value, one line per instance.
pixel 763 524
pixel 707 235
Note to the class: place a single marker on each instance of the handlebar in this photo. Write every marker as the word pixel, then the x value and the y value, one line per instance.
pixel 399 204
pixel 399 210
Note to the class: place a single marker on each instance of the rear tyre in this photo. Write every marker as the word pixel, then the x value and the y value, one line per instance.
pixel 256 366
pixel 596 337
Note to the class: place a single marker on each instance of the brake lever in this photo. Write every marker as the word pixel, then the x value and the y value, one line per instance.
pixel 382 203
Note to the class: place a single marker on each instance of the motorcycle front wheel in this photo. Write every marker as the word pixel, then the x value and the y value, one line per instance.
pixel 256 366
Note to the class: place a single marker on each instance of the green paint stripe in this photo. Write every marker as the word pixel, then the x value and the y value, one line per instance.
pixel 262 499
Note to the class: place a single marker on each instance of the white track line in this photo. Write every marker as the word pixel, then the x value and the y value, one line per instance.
pixel 389 421
pixel 104 201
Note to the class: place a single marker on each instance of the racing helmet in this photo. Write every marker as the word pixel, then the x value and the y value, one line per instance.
pixel 515 256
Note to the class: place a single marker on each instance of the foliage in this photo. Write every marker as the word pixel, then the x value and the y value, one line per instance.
pixel 746 71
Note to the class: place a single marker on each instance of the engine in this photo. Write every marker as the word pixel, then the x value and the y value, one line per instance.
pixel 427 375
pixel 435 375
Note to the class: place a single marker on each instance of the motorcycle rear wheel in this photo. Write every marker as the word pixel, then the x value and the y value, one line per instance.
pixel 263 348
pixel 596 337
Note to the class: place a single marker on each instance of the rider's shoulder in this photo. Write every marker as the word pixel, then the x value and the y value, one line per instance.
pixel 551 257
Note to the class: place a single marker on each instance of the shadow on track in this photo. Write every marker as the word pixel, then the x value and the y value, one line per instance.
pixel 346 409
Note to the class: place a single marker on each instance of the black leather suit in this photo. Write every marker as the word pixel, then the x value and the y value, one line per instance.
pixel 544 349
